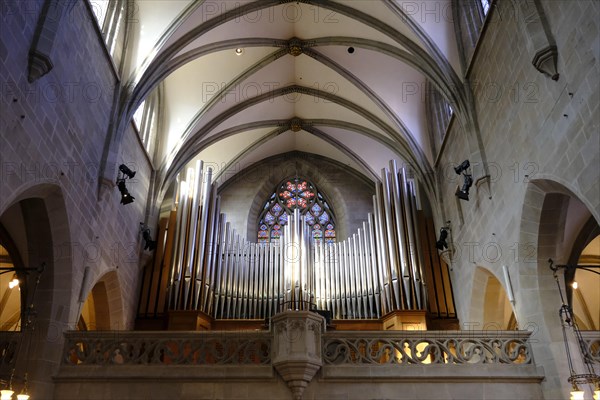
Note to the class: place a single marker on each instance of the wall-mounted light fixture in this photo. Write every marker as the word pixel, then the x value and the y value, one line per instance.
pixel 125 173
pixel 462 167
pixel 463 193
pixel 442 244
pixel 149 243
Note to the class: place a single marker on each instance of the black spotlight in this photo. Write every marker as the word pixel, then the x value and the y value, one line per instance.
pixel 124 174
pixel 126 198
pixel 462 167
pixel 463 193
pixel 441 244
pixel 126 171
pixel 150 244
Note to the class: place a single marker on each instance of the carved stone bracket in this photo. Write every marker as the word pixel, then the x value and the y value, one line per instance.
pixel 539 38
pixel 39 65
pixel 545 61
pixel 296 352
pixel 48 25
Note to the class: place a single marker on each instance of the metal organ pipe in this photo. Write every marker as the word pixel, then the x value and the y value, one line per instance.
pixel 401 238
pixel 194 179
pixel 411 242
pixel 373 272
pixel 419 276
pixel 392 244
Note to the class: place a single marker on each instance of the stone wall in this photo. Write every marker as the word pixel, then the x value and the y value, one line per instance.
pixel 52 136
pixel 537 136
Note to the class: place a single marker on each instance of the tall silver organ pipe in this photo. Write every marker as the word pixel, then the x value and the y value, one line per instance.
pixel 376 270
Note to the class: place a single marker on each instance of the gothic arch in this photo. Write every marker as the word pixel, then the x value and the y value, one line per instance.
pixel 324 173
pixel 546 231
pixel 45 236
pixel 489 291
pixel 103 308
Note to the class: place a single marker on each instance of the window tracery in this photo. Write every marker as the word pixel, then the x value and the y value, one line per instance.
pixel 291 194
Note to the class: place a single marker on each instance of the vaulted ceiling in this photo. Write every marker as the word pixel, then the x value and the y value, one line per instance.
pixel 241 81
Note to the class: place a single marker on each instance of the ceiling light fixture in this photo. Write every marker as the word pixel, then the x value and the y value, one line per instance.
pixel 13 283
pixel 239 51
pixel 6 394
pixel 567 319
pixel 28 319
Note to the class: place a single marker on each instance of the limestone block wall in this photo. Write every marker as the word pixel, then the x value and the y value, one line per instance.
pixel 537 136
pixel 52 136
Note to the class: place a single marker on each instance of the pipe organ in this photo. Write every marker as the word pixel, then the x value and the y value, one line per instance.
pixel 208 267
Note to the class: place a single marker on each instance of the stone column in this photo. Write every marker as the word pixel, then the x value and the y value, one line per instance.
pixel 297 348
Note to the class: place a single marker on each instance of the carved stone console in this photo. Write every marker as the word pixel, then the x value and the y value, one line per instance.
pixel 296 351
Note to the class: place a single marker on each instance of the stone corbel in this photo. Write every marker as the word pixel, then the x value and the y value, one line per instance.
pixel 40 60
pixel 545 61
pixel 297 348
pixel 540 41
pixel 39 65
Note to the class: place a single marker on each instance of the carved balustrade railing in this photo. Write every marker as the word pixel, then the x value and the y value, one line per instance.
pixel 427 347
pixel 161 348
pixel 591 346
pixel 338 347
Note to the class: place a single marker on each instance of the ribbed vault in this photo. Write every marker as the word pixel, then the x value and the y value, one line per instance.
pixel 339 79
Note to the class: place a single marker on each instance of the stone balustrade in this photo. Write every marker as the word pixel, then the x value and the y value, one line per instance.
pixel 427 347
pixel 178 348
pixel 591 345
pixel 297 355
pixel 338 347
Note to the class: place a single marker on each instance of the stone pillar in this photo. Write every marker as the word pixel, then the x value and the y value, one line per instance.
pixel 297 348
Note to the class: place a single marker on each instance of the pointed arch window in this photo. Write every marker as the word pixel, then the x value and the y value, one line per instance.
pixel 291 194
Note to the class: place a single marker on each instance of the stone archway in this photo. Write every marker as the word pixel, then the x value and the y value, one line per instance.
pixel 36 218
pixel 103 308
pixel 496 312
pixel 551 219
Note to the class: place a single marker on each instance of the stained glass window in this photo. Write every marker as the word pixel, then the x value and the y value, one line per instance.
pixel 291 194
